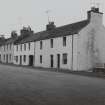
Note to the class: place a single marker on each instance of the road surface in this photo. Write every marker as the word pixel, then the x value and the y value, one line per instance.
pixel 25 86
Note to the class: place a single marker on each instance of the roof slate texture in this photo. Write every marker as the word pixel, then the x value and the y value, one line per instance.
pixel 65 30
pixel 1 43
pixel 9 41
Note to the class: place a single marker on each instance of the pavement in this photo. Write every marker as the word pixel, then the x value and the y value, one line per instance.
pixel 25 86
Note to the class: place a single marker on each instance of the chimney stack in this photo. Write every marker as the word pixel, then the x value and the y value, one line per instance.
pixel 94 15
pixel 50 26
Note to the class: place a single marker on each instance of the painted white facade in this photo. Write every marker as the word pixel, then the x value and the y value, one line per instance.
pixel 88 47
pixel 91 41
pixel 85 50
pixel 0 52
pixel 58 48
pixel 7 52
pixel 21 52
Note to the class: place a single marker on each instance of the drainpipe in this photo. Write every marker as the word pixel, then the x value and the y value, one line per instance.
pixel 12 54
pixel 77 50
pixel 34 54
pixel 72 52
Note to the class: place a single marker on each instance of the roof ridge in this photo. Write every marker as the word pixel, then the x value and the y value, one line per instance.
pixel 64 30
pixel 73 23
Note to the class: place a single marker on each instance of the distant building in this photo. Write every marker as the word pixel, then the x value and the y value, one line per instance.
pixel 7 49
pixel 2 41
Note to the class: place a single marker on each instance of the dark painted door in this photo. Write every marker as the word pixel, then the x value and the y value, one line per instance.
pixel 20 60
pixel 31 58
pixel 7 58
pixel 58 60
pixel 52 61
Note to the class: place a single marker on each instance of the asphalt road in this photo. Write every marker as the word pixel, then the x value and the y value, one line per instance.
pixel 24 86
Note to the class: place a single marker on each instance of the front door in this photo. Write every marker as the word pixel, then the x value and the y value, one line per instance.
pixel 31 58
pixel 52 61
pixel 58 60
pixel 20 60
pixel 0 58
pixel 7 58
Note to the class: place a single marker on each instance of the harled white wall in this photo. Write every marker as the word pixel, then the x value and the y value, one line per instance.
pixel 6 52
pixel 58 48
pixel 91 41
pixel 26 52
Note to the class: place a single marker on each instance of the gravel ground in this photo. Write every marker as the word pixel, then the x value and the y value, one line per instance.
pixel 24 86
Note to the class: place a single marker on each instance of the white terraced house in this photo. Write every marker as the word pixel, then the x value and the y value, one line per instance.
pixel 2 40
pixel 7 49
pixel 78 46
pixel 24 51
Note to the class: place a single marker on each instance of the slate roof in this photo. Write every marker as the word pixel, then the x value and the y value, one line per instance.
pixel 65 30
pixel 1 43
pixel 9 41
pixel 20 38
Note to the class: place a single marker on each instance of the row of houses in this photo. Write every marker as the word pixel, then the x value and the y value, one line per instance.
pixel 77 46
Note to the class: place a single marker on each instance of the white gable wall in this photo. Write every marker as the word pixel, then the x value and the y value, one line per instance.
pixel 91 50
pixel 100 46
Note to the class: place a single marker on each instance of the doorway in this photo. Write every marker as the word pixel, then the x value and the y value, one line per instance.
pixel 20 60
pixel 58 60
pixel 0 58
pixel 31 59
pixel 7 58
pixel 52 61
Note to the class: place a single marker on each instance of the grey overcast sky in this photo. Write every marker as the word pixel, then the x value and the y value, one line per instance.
pixel 17 13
